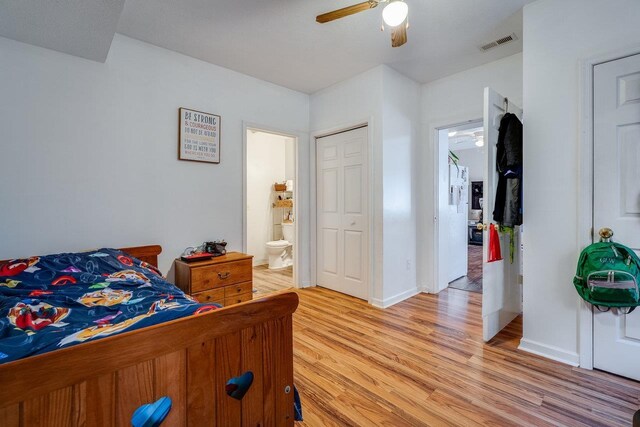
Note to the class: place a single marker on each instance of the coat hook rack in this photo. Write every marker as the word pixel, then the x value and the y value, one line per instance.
pixel 506 105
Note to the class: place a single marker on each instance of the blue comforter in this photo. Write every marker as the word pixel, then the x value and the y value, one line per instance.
pixel 55 301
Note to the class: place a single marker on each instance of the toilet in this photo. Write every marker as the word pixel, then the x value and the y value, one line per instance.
pixel 281 251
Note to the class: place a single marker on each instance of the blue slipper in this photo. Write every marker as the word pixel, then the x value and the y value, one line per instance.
pixel 152 414
pixel 237 387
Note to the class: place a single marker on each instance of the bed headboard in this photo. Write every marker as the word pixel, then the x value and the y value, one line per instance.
pixel 145 253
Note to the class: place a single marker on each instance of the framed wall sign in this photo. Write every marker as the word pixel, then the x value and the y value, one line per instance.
pixel 199 136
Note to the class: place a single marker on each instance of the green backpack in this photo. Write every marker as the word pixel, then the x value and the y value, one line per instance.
pixel 608 274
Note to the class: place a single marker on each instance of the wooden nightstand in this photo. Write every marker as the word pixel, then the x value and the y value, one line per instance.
pixel 225 280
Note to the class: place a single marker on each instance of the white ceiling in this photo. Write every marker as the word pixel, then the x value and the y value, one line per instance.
pixel 465 137
pixel 276 40
pixel 279 40
pixel 82 28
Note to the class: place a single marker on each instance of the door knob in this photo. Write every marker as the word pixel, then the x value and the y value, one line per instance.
pixel 605 234
pixel 353 223
pixel 481 226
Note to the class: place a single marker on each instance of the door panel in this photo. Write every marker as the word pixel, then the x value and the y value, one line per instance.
pixel 352 189
pixel 616 195
pixel 629 139
pixel 330 251
pixel 631 328
pixel 628 89
pixel 330 195
pixel 501 287
pixel 343 220
pixel 353 255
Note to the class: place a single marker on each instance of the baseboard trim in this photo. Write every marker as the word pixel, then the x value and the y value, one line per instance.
pixel 426 289
pixel 550 352
pixel 388 302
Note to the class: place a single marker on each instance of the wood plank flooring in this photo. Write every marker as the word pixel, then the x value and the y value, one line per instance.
pixel 472 282
pixel 422 362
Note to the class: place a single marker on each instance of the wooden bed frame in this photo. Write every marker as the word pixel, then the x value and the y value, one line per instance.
pixel 101 383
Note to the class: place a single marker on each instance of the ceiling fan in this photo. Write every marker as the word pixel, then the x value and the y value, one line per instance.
pixel 394 15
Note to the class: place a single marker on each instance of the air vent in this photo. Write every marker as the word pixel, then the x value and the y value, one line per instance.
pixel 502 40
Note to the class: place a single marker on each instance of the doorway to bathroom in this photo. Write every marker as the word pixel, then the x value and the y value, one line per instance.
pixel 462 176
pixel 270 209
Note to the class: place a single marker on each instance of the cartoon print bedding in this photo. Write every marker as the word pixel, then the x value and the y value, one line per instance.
pixel 55 301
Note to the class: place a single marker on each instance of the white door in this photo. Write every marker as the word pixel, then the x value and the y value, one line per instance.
pixel 616 199
pixel 501 287
pixel 343 212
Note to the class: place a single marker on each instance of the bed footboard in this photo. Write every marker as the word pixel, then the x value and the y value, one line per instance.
pixel 190 360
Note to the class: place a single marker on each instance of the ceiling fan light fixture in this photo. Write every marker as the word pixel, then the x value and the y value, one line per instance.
pixel 395 13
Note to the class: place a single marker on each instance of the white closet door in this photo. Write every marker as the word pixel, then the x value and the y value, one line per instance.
pixel 616 199
pixel 342 212
pixel 501 290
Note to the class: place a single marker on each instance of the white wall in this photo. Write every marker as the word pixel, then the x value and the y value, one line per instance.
pixel 449 101
pixel 558 35
pixel 390 102
pixel 473 158
pixel 267 163
pixel 400 133
pixel 89 151
pixel 290 155
pixel 355 101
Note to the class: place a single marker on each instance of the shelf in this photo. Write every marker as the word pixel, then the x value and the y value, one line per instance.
pixel 283 203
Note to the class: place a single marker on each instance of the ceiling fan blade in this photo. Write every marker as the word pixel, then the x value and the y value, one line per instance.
pixel 346 11
pixel 399 35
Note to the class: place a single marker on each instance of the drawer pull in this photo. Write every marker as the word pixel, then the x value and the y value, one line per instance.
pixel 223 276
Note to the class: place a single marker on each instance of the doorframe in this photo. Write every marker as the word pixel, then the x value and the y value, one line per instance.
pixel 585 233
pixel 434 130
pixel 249 126
pixel 313 198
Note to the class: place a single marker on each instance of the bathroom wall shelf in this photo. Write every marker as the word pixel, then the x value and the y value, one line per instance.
pixel 288 203
pixel 283 209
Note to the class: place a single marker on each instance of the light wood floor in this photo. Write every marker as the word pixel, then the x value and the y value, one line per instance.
pixel 472 282
pixel 422 362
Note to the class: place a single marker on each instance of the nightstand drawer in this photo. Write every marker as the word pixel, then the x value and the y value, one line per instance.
pixel 223 274
pixel 234 290
pixel 213 295
pixel 237 299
